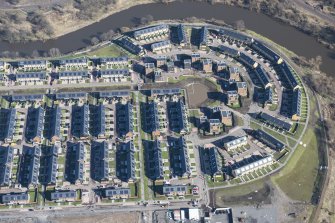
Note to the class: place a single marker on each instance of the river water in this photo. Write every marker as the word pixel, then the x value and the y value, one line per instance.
pixel 285 35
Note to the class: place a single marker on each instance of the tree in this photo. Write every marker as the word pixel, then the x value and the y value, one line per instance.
pixel 239 25
pixel 146 19
pixel 94 40
pixel 35 54
pixel 13 2
pixel 107 35
pixel 54 52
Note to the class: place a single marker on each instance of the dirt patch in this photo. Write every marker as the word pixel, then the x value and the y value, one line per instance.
pixel 130 217
pixel 260 196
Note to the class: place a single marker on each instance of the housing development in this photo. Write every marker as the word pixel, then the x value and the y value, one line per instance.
pixel 136 131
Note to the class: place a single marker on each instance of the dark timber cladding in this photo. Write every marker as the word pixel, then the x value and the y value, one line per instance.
pixel 34 124
pixel 182 36
pixel 48 169
pixel 153 160
pixel 7 124
pixel 6 162
pixel 211 162
pixel 64 195
pixel 29 166
pixel 74 165
pixel 125 161
pixel 177 116
pixel 99 161
pixel 124 119
pixel 97 120
pixel 265 51
pixel 263 77
pixel 269 140
pixel 247 60
pixel 149 117
pixel 275 121
pixel 52 123
pixel 132 46
pixel 179 160
pixel 80 121
pixel 292 80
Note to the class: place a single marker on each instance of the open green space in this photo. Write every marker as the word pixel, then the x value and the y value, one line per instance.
pixel 297 178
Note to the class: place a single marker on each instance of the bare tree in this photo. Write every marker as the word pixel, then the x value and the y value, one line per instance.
pixel 316 62
pixel 107 35
pixel 54 52
pixel 94 40
pixel 35 54
pixel 239 25
pixel 146 19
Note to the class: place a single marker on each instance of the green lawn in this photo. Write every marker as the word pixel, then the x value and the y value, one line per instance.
pixel 297 178
pixel 241 190
pixel 108 51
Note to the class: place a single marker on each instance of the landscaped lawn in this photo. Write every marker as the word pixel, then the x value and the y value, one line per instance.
pixel 297 178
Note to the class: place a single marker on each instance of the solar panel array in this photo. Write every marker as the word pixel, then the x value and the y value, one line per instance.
pixel 7 123
pixel 268 53
pixel 203 36
pixel 71 95
pixel 124 119
pixel 72 74
pixel 269 140
pixel 170 91
pixel 275 121
pixel 25 76
pixel 14 197
pixel 292 80
pixel 160 44
pixel 63 195
pixel 179 159
pixel 235 35
pixel 150 30
pixel 74 162
pixel 250 164
pixel 131 46
pixel 182 36
pixel 6 160
pixel 114 73
pixel 247 60
pixel 27 97
pixel 117 191
pixel 168 189
pixel 112 94
pixel 34 124
pixel 29 166
pixel 262 76
pixel 125 161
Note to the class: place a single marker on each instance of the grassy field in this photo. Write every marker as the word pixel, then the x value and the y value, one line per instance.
pixel 108 51
pixel 241 189
pixel 297 178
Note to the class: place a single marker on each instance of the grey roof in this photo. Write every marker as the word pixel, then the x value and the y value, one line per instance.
pixel 265 51
pixel 63 74
pixel 241 84
pixel 150 30
pixel 13 197
pixel 116 191
pixel 74 165
pixel 125 161
pixel 97 120
pixel 80 121
pixel 160 44
pixel 170 91
pixel 27 97
pixel 132 46
pixel 63 195
pixel 269 140
pixel 113 59
pixel 168 188
pixel 226 113
pixel 73 61
pixel 32 62
pixel 250 164
pixel 179 159
pixel 112 94
pixel 114 72
pixel 229 51
pixel 34 123
pixel 29 166
pixel 71 95
pixel 7 123
pixel 6 160
pixel 235 35
pixel 262 76
pixel 99 161
pixel 23 76
pixel 275 121
pixel 124 119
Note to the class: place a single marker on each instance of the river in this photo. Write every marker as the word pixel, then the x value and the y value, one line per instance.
pixel 285 35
